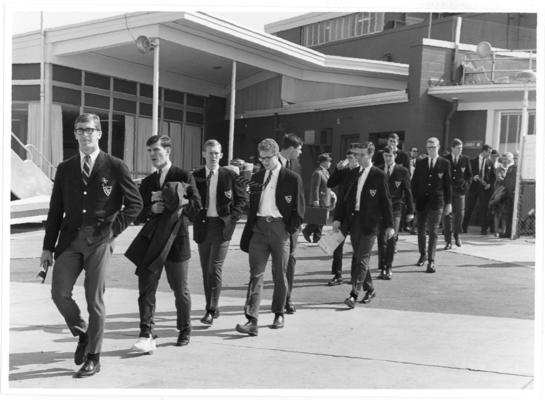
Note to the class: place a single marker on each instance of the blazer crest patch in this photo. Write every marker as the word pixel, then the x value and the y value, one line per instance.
pixel 397 183
pixel 463 169
pixel 107 189
pixel 228 194
pixel 440 175
pixel 372 192
pixel 288 198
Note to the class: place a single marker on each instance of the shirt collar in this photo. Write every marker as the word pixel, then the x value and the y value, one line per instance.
pixel 93 155
pixel 166 167
pixel 207 170
pixel 283 160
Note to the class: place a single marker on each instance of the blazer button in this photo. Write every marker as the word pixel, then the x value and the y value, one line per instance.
pixel 84 211
pixel 85 193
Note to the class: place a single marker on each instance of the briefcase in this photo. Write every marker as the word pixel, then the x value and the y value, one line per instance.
pixel 316 215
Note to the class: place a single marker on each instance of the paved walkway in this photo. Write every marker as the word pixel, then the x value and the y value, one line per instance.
pixel 414 335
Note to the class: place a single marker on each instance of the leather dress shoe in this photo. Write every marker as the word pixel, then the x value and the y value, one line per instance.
pixel 448 246
pixel 368 296
pixel 336 280
pixel 307 237
pixel 89 368
pixel 431 267
pixel 457 242
pixel 183 339
pixel 290 308
pixel 80 353
pixel 208 319
pixel 382 274
pixel 249 328
pixel 388 275
pixel 278 322
pixel 421 260
pixel 216 313
pixel 350 302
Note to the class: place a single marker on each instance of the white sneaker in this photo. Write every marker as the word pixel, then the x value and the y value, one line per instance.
pixel 144 345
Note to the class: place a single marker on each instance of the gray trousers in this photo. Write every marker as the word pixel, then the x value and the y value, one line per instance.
pixel 428 223
pixel 268 238
pixel 94 259
pixel 452 223
pixel 212 253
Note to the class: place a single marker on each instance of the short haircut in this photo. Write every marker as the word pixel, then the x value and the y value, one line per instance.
pixel 495 152
pixel 364 145
pixel 388 150
pixel 291 140
pixel 268 144
pixel 393 135
pixel 456 142
pixel 164 141
pixel 508 155
pixel 433 140
pixel 414 148
pixel 211 143
pixel 486 147
pixel 349 152
pixel 88 117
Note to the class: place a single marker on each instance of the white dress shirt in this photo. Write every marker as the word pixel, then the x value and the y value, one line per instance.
pixel 361 182
pixel 267 205
pixel 164 172
pixel 212 192
pixel 93 155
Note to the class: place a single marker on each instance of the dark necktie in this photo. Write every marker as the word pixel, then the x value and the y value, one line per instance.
pixel 267 180
pixel 86 173
pixel 208 179
pixel 288 164
pixel 159 178
pixel 431 163
pixel 482 169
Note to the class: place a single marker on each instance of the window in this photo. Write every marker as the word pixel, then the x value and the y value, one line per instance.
pixel 345 27
pixel 510 130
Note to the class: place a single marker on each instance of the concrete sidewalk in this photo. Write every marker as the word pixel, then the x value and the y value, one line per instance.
pixel 450 330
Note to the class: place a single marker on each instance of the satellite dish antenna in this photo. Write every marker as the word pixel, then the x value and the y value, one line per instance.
pixel 484 49
pixel 143 44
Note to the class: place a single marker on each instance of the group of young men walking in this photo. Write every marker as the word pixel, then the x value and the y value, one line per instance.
pixel 94 199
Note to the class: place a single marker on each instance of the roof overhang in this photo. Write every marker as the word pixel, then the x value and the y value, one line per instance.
pixel 509 92
pixel 198 49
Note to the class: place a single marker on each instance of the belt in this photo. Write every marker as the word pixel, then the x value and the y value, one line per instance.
pixel 270 219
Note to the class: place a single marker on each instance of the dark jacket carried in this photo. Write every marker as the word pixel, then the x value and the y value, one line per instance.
pixel 461 173
pixel 431 187
pixel 375 202
pixel 231 200
pixel 153 243
pixel 74 205
pixel 180 250
pixel 488 175
pixel 290 201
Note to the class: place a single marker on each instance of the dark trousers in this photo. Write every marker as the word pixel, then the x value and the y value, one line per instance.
pixel 337 264
pixel 482 197
pixel 268 238
pixel 452 223
pixel 314 231
pixel 428 223
pixel 212 252
pixel 361 271
pixel 148 281
pixel 94 259
pixel 387 247
pixel 290 269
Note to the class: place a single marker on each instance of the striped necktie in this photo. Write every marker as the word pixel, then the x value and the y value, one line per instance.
pixel 86 172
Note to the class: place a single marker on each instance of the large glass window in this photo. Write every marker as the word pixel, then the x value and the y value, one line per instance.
pixel 510 130
pixel 345 27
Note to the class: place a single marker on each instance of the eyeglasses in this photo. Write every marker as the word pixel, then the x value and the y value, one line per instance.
pixel 267 158
pixel 431 147
pixel 84 131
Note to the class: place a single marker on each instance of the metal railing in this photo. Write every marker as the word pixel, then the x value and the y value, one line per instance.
pixel 500 67
pixel 29 148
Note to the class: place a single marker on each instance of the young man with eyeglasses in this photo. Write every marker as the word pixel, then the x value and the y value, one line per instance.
pixel 93 200
pixel 432 193
pixel 277 208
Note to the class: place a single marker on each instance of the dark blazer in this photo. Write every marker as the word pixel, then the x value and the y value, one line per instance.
pixel 290 200
pixel 375 202
pixel 231 199
pixel 340 179
pixel 402 159
pixel 461 173
pixel 99 204
pixel 489 174
pixel 318 188
pixel 399 183
pixel 433 186
pixel 180 250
